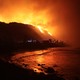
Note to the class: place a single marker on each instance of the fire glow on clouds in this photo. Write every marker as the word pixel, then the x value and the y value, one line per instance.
pixel 58 17
pixel 25 11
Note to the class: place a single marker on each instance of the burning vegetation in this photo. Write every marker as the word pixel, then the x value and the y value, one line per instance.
pixel 14 36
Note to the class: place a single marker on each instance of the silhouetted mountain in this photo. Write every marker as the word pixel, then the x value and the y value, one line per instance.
pixel 17 31
pixel 15 35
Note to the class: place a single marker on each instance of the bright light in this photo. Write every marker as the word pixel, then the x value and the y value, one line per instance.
pixel 41 30
pixel 49 33
pixel 40 20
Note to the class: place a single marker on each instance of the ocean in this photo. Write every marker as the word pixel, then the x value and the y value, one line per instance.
pixel 66 61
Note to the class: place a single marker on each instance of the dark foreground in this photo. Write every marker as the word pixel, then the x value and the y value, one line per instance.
pixel 10 71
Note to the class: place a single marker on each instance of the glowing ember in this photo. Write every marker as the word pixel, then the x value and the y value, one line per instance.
pixel 49 33
pixel 41 30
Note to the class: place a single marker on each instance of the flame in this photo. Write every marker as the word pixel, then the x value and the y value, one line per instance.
pixel 40 28
pixel 40 20
pixel 49 33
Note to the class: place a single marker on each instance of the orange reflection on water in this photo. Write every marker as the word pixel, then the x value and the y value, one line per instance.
pixel 35 60
pixel 36 70
pixel 64 61
pixel 40 59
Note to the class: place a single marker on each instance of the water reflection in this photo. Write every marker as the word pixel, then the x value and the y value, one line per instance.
pixel 40 59
pixel 32 60
pixel 66 62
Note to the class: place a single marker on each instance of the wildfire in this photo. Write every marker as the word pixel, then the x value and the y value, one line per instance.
pixel 49 33
pixel 40 28
pixel 43 29
pixel 40 20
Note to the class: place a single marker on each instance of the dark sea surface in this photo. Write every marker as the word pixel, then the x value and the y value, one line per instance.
pixel 65 61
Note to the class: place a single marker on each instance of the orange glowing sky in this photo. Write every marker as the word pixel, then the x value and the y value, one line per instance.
pixel 58 17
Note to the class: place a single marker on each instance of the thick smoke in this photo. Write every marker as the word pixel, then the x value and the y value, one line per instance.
pixel 62 16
